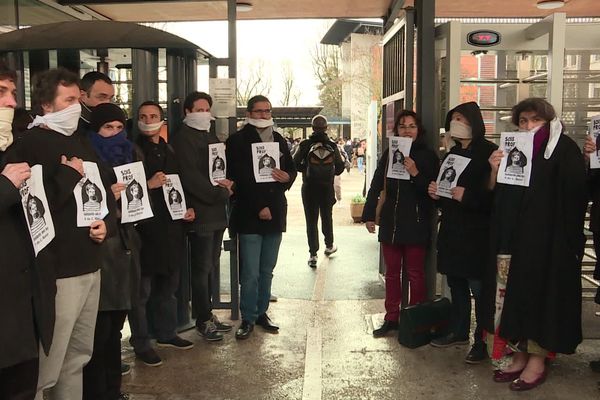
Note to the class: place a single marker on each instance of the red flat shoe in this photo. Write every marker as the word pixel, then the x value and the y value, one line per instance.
pixel 519 385
pixel 503 377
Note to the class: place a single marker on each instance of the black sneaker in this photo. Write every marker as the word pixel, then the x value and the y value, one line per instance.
pixel 150 358
pixel 208 330
pixel 125 369
pixel 385 328
pixel 221 327
pixel 312 261
pixel 176 342
pixel 124 396
pixel 477 354
pixel 449 340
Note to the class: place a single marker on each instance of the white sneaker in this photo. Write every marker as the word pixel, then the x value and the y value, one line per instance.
pixel 330 250
pixel 312 262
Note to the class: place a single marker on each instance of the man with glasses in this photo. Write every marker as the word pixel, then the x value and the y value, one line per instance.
pixel 259 213
pixel 96 88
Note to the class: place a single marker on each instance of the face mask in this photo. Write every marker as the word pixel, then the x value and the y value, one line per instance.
pixel 260 123
pixel 460 130
pixel 149 127
pixel 6 118
pixel 534 130
pixel 199 120
pixel 63 121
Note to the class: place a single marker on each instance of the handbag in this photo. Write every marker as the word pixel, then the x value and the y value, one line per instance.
pixel 381 198
pixel 422 322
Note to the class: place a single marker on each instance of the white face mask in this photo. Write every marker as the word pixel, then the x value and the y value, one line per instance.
pixel 149 127
pixel 533 131
pixel 460 130
pixel 6 118
pixel 63 121
pixel 260 123
pixel 199 120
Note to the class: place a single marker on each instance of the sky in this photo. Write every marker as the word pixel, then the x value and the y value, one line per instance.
pixel 275 43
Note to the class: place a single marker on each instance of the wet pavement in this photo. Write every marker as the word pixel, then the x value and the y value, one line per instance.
pixel 325 349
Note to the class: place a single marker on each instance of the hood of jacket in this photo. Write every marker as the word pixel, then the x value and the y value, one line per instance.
pixel 472 113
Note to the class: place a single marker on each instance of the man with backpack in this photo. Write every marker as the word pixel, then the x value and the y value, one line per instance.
pixel 319 160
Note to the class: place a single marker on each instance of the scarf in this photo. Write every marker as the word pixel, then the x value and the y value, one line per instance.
pixel 539 138
pixel 115 150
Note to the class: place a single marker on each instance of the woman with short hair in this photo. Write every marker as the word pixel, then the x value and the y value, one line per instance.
pixel 537 239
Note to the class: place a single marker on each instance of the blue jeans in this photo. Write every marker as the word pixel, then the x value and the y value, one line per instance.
pixel 360 163
pixel 258 256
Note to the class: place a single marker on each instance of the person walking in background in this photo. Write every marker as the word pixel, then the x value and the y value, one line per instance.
pixel 337 180
pixel 361 151
pixel 318 159
pixel 463 238
pixel 405 219
pixel 259 213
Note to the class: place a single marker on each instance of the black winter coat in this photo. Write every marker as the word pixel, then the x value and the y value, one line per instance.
pixel 251 197
pixel 543 292
pixel 463 237
pixel 406 213
pixel 163 246
pixel 208 201
pixel 18 339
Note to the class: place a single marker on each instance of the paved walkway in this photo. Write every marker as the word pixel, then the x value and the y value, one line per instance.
pixel 325 349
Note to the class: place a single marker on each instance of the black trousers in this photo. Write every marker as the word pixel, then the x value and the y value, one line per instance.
pixel 318 200
pixel 102 375
pixel 205 260
pixel 461 289
pixel 19 382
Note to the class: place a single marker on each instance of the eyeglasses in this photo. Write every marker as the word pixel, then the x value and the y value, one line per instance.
pixel 268 112
pixel 405 127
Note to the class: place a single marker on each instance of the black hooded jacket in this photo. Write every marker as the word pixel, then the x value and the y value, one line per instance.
pixel 463 238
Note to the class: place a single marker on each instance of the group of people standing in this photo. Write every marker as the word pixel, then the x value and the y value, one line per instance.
pixel 65 300
pixel 516 249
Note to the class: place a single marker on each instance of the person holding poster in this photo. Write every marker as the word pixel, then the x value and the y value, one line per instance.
pixel 537 231
pixel 405 218
pixel 18 336
pixel 162 254
pixel 75 251
pixel 259 212
pixel 207 191
pixel 120 265
pixel 463 238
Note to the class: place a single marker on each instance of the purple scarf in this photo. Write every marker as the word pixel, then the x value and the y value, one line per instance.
pixel 542 135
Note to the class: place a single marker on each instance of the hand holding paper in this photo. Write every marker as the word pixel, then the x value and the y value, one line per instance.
pixel 17 173
pixel 280 175
pixel 74 162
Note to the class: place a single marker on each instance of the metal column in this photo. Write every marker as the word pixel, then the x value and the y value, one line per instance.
pixel 144 74
pixel 556 61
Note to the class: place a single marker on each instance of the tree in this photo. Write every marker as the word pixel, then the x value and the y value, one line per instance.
pixel 326 63
pixel 254 83
pixel 291 94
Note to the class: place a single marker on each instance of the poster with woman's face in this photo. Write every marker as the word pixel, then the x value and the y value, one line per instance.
pixel 595 133
pixel 36 209
pixel 135 204
pixel 451 169
pixel 265 157
pixel 174 197
pixel 399 149
pixel 217 167
pixel 90 196
pixel 515 167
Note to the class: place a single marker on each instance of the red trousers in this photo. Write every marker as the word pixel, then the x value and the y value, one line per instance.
pixel 412 257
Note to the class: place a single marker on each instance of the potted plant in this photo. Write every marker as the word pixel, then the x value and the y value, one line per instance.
pixel 357 203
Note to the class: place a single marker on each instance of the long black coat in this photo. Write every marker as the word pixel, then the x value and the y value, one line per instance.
pixel 463 238
pixel 543 293
pixel 406 212
pixel 251 197
pixel 163 246
pixel 18 341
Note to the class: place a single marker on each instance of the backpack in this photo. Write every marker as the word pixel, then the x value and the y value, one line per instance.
pixel 320 163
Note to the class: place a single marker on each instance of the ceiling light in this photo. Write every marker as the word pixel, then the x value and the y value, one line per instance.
pixel 550 4
pixel 243 7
